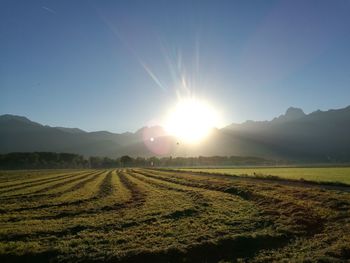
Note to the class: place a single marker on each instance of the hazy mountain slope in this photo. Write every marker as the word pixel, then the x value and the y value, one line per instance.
pixel 20 134
pixel 70 130
pixel 319 136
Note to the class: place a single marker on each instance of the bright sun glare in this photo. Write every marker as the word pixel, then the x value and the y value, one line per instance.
pixel 191 120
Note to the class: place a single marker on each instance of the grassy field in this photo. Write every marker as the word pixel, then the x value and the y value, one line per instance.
pixel 140 215
pixel 324 174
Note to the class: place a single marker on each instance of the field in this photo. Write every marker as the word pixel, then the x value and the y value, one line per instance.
pixel 324 174
pixel 144 215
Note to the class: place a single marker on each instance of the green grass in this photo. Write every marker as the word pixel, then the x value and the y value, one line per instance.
pixel 143 215
pixel 324 174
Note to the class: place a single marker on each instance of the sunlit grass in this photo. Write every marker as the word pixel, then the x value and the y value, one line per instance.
pixel 142 215
pixel 325 174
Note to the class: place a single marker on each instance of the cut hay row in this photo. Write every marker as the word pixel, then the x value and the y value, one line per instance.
pixel 107 194
pixel 139 215
pixel 46 187
pixel 279 202
pixel 110 195
pixel 163 200
pixel 37 230
pixel 304 220
pixel 69 196
pixel 42 178
pixel 49 198
pixel 166 212
pixel 18 176
pixel 196 196
pixel 56 187
pixel 106 187
pixel 137 195
pixel 30 184
pixel 84 190
pixel 184 180
pixel 272 188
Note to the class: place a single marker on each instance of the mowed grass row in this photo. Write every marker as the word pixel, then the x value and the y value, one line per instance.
pixel 51 189
pixel 68 193
pixel 14 176
pixel 300 210
pixel 39 237
pixel 139 215
pixel 29 179
pixel 167 218
pixel 323 175
pixel 152 204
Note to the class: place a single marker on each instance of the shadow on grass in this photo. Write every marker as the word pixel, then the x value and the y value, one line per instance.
pixel 29 258
pixel 212 251
pixel 231 249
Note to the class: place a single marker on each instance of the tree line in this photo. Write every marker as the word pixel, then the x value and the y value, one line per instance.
pixel 42 160
pixel 51 160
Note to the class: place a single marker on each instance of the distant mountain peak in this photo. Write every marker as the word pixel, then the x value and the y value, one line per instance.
pixel 294 113
pixel 10 117
pixel 291 114
pixel 7 117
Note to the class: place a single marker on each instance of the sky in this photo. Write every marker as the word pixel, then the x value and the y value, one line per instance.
pixel 119 65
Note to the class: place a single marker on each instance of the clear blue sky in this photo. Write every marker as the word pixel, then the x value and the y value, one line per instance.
pixel 115 65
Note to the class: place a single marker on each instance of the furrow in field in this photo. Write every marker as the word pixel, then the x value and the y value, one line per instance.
pixel 196 196
pixel 38 183
pixel 180 180
pixel 57 205
pixel 305 219
pixel 302 183
pixel 73 188
pixel 98 202
pixel 179 202
pixel 80 184
pixel 60 184
pixel 45 188
pixel 34 181
pixel 139 215
pixel 29 190
pixel 224 249
pixel 162 213
pixel 107 200
pixel 292 189
pixel 203 200
pixel 137 198
pixel 138 193
pixel 20 176
pixel 106 187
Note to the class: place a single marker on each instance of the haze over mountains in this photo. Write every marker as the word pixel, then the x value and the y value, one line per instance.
pixel 318 136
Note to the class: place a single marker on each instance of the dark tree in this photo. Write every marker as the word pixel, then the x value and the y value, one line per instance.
pixel 126 160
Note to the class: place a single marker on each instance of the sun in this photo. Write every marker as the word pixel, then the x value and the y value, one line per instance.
pixel 191 120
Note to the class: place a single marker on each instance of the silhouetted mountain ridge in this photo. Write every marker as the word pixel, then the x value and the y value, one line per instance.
pixel 70 130
pixel 291 114
pixel 9 117
pixel 318 136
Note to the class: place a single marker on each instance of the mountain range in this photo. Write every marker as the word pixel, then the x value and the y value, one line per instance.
pixel 318 136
